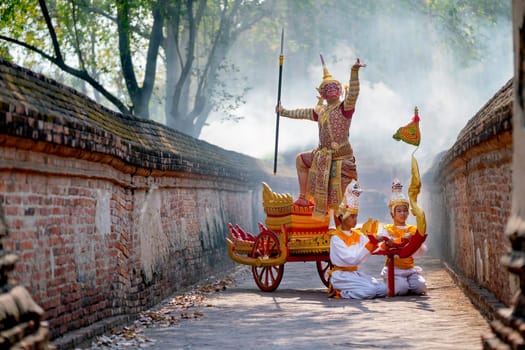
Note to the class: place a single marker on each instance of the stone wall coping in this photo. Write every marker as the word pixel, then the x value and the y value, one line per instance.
pixel 493 120
pixel 39 113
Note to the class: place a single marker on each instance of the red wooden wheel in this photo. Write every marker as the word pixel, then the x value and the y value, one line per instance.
pixel 323 266
pixel 267 246
pixel 268 278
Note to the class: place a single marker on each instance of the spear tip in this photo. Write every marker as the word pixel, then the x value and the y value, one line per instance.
pixel 282 40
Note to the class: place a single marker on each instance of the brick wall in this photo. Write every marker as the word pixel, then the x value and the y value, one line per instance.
pixel 471 197
pixel 108 213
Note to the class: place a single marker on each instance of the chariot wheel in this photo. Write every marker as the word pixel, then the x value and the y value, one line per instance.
pixel 267 246
pixel 323 267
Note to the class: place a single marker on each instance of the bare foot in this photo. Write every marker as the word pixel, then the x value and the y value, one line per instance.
pixel 303 202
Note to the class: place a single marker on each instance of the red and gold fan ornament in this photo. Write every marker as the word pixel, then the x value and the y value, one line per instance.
pixel 410 132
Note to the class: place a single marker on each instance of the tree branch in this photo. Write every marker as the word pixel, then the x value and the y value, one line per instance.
pixel 51 29
pixel 153 49
pixel 124 48
pixel 29 47
pixel 186 68
pixel 76 37
pixel 81 74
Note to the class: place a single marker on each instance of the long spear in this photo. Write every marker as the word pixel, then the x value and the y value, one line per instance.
pixel 281 61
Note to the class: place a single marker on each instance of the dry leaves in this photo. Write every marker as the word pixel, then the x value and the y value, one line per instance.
pixel 168 313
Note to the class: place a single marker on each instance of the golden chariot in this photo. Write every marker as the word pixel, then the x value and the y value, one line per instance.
pixel 290 234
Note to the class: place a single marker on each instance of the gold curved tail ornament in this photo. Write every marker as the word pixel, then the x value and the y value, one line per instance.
pixel 245 257
pixel 245 260
pixel 411 134
pixel 413 192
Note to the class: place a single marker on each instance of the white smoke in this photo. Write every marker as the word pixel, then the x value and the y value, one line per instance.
pixel 446 92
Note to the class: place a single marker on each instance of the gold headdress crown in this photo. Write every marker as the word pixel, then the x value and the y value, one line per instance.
pixel 327 77
pixel 350 203
pixel 397 197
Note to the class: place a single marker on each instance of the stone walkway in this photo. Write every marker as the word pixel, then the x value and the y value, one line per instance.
pixel 298 315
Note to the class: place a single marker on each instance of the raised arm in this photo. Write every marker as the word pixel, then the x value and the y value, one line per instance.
pixel 353 90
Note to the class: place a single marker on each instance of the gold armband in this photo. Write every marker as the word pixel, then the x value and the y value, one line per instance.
pixel 354 74
pixel 353 91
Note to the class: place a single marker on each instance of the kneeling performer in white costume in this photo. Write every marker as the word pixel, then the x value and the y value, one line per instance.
pixel 349 247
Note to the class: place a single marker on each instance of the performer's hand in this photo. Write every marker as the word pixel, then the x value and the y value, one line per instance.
pixel 371 245
pixel 370 227
pixel 375 246
pixel 358 65
pixel 278 108
pixel 372 239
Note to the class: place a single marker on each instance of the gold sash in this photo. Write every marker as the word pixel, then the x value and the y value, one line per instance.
pixel 344 268
pixel 318 180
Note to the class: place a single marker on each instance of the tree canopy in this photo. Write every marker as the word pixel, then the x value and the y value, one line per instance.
pixel 172 61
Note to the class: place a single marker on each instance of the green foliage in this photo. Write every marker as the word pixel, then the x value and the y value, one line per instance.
pixel 15 15
pixel 460 20
pixel 193 70
pixel 19 19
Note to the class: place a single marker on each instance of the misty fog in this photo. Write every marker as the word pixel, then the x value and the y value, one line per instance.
pixel 408 65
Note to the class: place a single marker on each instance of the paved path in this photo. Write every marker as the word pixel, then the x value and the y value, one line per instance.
pixel 298 315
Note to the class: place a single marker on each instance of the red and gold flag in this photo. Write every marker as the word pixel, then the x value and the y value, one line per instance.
pixel 410 132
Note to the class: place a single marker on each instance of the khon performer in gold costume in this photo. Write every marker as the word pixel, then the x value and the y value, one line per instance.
pixel 408 276
pixel 325 171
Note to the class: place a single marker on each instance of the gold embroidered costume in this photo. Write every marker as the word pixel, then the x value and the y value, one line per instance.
pixel 332 164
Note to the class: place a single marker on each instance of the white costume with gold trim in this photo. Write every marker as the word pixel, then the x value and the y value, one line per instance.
pixel 348 249
pixel 353 284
